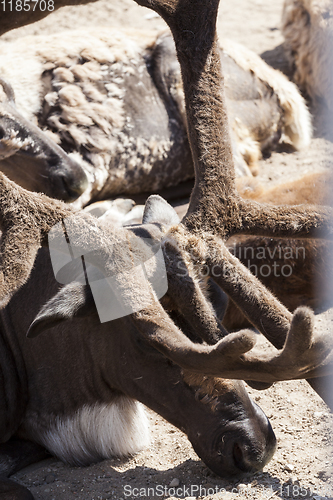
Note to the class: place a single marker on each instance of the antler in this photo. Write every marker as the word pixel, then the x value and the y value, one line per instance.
pixel 304 354
pixel 215 207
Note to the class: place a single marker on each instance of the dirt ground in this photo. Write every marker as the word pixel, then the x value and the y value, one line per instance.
pixel 169 468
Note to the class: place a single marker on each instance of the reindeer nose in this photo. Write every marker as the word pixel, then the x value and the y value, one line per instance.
pixel 75 185
pixel 73 182
pixel 250 459
pixel 249 456
pixel 242 448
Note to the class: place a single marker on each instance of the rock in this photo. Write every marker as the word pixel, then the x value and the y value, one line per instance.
pixel 175 482
pixel 289 467
pixel 50 478
pixel 242 486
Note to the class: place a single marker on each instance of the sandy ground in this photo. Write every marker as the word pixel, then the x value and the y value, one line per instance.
pixel 169 468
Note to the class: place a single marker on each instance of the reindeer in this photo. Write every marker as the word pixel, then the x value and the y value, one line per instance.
pixel 31 158
pixel 97 93
pixel 216 211
pixel 308 31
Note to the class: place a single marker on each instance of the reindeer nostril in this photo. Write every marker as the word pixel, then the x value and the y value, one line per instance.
pixel 238 457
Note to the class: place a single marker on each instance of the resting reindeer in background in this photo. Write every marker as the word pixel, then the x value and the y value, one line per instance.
pixel 31 158
pixel 113 100
pixel 307 26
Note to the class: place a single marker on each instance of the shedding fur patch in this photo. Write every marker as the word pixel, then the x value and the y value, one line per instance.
pixel 98 432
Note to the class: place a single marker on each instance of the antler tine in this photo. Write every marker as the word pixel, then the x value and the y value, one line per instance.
pixel 300 335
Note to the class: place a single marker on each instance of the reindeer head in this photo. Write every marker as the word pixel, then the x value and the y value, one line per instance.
pixel 30 158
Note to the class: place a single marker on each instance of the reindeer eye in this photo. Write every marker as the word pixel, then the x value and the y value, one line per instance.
pixel 2 132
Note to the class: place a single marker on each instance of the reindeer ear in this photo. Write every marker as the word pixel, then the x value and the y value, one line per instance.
pixel 73 300
pixel 159 210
